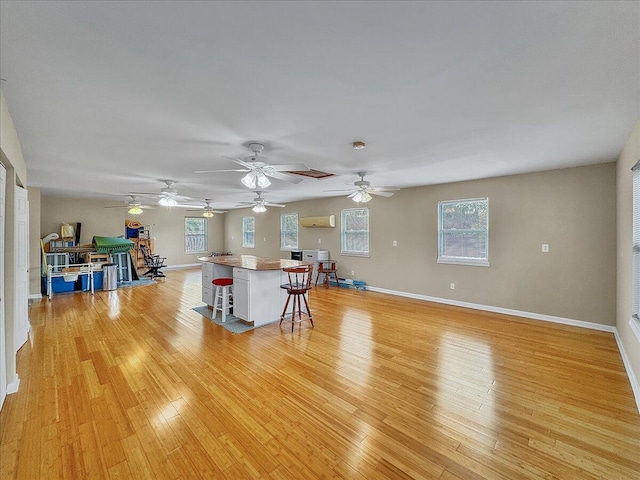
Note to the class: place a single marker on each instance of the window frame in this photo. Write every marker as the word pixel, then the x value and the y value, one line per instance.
pixel 246 231
pixel 204 234
pixel 634 321
pixel 456 260
pixel 344 233
pixel 283 232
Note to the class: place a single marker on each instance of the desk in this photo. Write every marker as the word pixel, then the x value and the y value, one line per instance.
pixel 257 296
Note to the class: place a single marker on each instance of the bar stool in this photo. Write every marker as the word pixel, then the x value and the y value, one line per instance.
pixel 328 268
pixel 299 284
pixel 224 295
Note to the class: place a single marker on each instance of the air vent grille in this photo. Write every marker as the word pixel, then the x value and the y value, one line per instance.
pixel 313 174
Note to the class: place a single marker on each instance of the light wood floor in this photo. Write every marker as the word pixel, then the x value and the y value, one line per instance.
pixel 134 384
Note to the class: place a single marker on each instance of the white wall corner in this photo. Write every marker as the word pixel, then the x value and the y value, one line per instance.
pixel 635 386
pixel 13 386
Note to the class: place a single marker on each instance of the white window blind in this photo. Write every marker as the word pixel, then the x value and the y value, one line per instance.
pixel 636 242
pixel 463 231
pixel 288 231
pixel 248 232
pixel 195 235
pixel 355 232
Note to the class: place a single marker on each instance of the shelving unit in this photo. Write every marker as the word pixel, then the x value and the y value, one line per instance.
pixel 137 253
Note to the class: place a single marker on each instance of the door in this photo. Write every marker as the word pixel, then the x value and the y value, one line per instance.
pixel 21 325
pixel 3 347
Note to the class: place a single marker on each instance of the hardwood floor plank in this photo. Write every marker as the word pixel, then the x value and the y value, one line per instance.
pixel 133 383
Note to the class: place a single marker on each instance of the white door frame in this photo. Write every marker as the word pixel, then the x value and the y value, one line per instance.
pixel 3 347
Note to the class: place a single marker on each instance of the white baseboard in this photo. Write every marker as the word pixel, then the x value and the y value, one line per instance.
pixel 184 265
pixel 506 311
pixel 13 386
pixel 635 386
pixel 35 296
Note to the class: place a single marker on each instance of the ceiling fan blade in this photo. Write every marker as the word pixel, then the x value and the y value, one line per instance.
pixel 382 194
pixel 298 167
pixel 285 177
pixel 274 205
pixel 240 162
pixel 221 171
pixel 386 189
pixel 352 194
pixel 145 207
pixel 152 194
pixel 340 190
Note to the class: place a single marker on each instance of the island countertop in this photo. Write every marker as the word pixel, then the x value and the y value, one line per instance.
pixel 251 262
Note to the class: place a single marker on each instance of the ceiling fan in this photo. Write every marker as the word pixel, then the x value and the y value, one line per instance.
pixel 168 195
pixel 134 205
pixel 363 190
pixel 257 170
pixel 207 209
pixel 259 204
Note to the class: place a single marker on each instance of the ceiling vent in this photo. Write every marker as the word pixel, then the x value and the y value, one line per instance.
pixel 314 174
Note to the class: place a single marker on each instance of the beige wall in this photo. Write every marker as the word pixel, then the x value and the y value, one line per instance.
pixel 167 226
pixel 11 157
pixel 572 210
pixel 630 155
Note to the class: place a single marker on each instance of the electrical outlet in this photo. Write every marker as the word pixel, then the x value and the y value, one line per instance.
pixel 353 273
pixel 452 286
pixel 395 243
pixel 264 239
pixel 319 240
pixel 545 248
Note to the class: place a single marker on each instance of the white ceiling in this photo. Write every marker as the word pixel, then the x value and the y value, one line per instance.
pixel 111 97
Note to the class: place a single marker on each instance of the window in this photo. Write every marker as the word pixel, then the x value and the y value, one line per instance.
pixel 463 231
pixel 355 232
pixel 636 246
pixel 195 235
pixel 288 231
pixel 249 232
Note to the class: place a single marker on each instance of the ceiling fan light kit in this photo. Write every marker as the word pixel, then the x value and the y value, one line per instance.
pixel 207 214
pixel 255 178
pixel 167 202
pixel 361 197
pixel 259 208
pixel 135 210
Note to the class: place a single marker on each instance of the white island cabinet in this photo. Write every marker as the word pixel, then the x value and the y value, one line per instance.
pixel 257 296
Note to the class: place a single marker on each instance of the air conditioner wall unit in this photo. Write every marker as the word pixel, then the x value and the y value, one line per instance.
pixel 319 222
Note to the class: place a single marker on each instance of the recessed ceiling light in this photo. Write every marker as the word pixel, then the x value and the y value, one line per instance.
pixel 358 145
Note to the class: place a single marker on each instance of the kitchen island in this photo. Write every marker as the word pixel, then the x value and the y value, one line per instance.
pixel 257 296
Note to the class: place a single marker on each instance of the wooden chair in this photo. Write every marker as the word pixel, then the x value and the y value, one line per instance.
pixel 327 267
pixel 298 286
pixel 153 262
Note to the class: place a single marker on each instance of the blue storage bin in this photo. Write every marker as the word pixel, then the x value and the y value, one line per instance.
pixel 97 280
pixel 58 285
